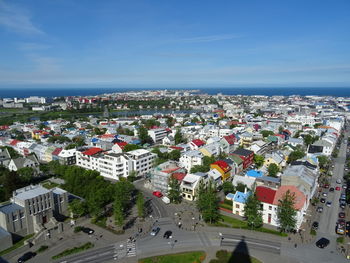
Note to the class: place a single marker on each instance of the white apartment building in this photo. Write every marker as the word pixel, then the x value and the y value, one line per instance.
pixel 158 135
pixel 35 99
pixel 116 165
pixel 191 158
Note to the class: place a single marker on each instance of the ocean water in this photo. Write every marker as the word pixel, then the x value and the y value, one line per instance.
pixel 56 91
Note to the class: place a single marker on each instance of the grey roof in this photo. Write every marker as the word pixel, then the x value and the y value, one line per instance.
pixel 9 208
pixel 269 179
pixel 58 191
pixel 301 171
pixel 30 192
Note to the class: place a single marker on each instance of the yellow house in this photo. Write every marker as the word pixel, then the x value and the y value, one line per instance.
pixel 276 158
pixel 223 168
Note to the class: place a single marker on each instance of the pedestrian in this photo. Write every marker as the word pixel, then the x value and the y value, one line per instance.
pixel 295 245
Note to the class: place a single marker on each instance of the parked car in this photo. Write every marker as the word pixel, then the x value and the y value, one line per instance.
pixel 329 203
pixel 326 186
pixel 341 222
pixel 331 189
pixel 155 231
pixel 341 215
pixel 339 229
pixel 338 181
pixel 88 230
pixel 322 200
pixel 26 256
pixel 337 188
pixel 319 209
pixel 345 186
pixel 168 234
pixel 157 194
pixel 324 194
pixel 342 205
pixel 315 225
pixel 322 242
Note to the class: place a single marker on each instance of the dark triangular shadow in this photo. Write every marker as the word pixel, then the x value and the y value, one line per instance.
pixel 241 253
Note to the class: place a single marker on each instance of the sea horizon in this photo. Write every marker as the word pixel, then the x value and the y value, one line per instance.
pixel 74 90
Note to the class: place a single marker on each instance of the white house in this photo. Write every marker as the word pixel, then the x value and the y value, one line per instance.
pixel 191 158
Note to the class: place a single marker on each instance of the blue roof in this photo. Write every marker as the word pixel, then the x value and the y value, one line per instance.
pixel 230 196
pixel 94 140
pixel 255 173
pixel 7 209
pixel 241 197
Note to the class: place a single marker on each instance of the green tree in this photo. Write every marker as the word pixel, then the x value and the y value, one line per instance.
pixel 119 215
pixel 174 155
pixel 228 187
pixel 143 135
pixel 295 155
pixel 131 147
pixel 259 160
pixel 273 170
pixel 12 152
pixel 241 187
pixel 132 176
pixel 309 139
pixel 323 161
pixel 170 121
pixel 208 203
pixel 27 173
pixel 266 133
pixel 286 212
pixel 78 208
pixel 280 129
pixel 174 192
pixel 140 204
pixel 253 211
pixel 178 137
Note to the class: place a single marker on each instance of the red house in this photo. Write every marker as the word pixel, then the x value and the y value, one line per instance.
pixel 246 156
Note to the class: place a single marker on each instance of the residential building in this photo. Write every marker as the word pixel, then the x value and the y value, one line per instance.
pixel 223 168
pixel 22 162
pixel 190 185
pixel 191 158
pixel 246 155
pixel 158 134
pixel 238 202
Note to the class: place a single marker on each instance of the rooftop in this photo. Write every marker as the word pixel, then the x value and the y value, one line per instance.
pixel 9 208
pixel 29 192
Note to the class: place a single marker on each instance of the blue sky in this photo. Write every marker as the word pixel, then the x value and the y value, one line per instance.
pixel 178 43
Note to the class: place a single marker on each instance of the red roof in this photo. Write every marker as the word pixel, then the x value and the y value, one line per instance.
pixel 14 142
pixel 4 127
pixel 198 142
pixel 179 176
pixel 223 165
pixel 92 151
pixel 121 145
pixel 265 194
pixel 176 148
pixel 57 151
pixel 168 171
pixel 230 139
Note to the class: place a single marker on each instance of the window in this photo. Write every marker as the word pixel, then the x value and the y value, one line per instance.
pixel 14 218
pixel 21 215
pixel 270 207
pixel 237 205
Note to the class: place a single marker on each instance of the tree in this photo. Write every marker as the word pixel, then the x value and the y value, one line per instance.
pixel 131 147
pixel 170 121
pixel 178 137
pixel 174 192
pixel 323 161
pixel 266 133
pixel 241 187
pixel 253 211
pixel 259 160
pixel 286 212
pixel 27 173
pixel 273 170
pixel 78 208
pixel 208 203
pixel 309 139
pixel 143 135
pixel 174 155
pixel 140 204
pixel 228 187
pixel 295 155
pixel 132 176
pixel 119 216
pixel 280 129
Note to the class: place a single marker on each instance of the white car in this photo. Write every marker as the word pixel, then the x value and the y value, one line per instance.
pixel 338 181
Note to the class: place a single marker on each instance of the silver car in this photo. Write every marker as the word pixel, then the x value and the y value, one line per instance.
pixel 155 231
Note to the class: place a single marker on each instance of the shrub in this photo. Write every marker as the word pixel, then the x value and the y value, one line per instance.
pixel 78 229
pixel 222 255
pixel 313 232
pixel 42 248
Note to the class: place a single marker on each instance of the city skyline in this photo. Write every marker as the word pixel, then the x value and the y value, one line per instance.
pixel 178 44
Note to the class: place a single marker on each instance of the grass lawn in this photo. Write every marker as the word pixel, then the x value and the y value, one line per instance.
pixel 188 257
pixel 236 223
pixel 50 185
pixel 74 250
pixel 223 256
pixel 227 206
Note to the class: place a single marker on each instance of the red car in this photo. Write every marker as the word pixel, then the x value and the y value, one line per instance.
pixel 326 186
pixel 157 194
pixel 337 188
pixel 341 215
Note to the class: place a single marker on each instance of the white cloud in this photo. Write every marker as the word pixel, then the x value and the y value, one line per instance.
pixel 17 20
